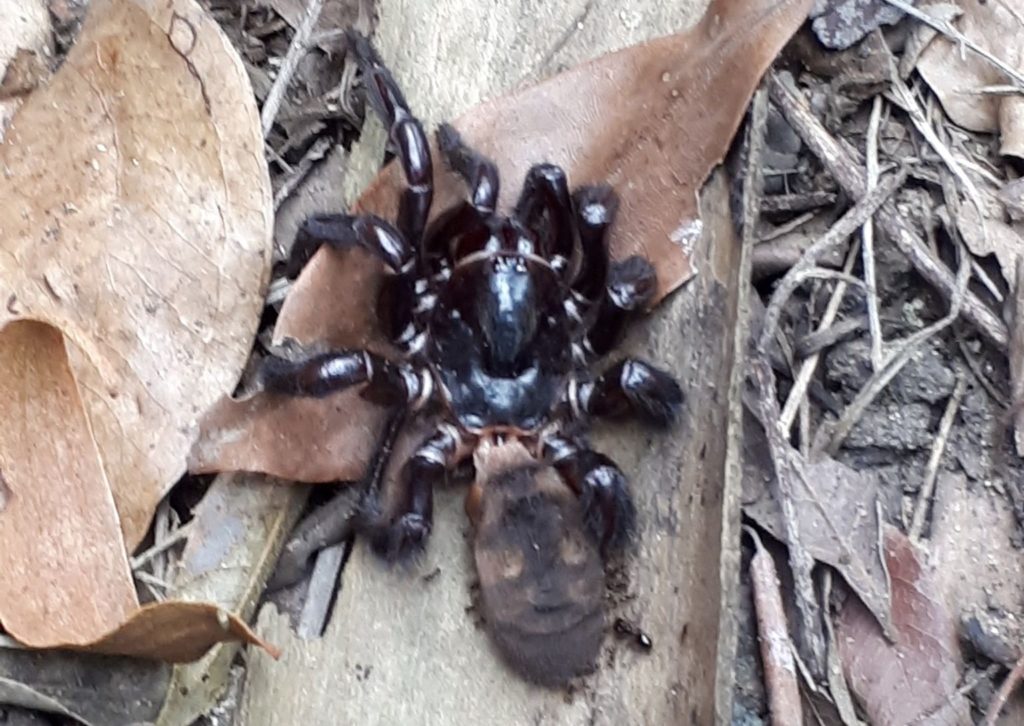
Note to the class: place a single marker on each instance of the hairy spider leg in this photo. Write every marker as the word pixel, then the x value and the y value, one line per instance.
pixel 379 237
pixel 632 283
pixel 470 218
pixel 406 135
pixel 545 207
pixel 633 387
pixel 386 383
pixel 403 531
pixel 594 208
pixel 602 488
pixel 479 173
pixel 342 231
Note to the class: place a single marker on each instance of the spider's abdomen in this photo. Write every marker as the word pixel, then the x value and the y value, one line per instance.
pixel 499 341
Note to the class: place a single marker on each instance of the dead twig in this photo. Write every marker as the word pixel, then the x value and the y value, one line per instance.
pixel 837 685
pixel 1012 680
pixel 796 202
pixel 297 49
pixel 899 358
pixel 776 649
pixel 173 538
pixel 868 239
pixel 844 164
pixel 807 367
pixel 298 173
pixel 821 340
pixel 931 470
pixel 789 470
pixel 838 233
pixel 786 228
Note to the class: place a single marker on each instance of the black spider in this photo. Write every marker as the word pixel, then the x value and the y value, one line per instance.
pixel 499 318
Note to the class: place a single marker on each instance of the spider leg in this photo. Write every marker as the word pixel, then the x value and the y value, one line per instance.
pixel 632 283
pixel 546 207
pixel 632 387
pixel 343 231
pixel 465 222
pixel 479 172
pixel 404 531
pixel 608 510
pixel 406 134
pixel 386 383
pixel 595 208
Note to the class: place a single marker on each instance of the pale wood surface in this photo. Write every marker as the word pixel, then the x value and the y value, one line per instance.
pixel 401 649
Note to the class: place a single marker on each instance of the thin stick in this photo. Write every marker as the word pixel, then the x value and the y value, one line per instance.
pixel 790 475
pixel 931 470
pixel 786 228
pixel 838 233
pixel 808 366
pixel 899 358
pixel 315 153
pixel 1015 677
pixel 172 539
pixel 297 49
pixel 868 237
pixel 952 33
pixel 844 164
pixel 773 631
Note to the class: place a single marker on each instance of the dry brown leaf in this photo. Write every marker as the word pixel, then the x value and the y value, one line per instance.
pixel 144 235
pixel 307 439
pixel 177 632
pixel 135 251
pixel 958 75
pixel 835 515
pixel 64 576
pixel 651 120
pixel 915 678
pixel 70 572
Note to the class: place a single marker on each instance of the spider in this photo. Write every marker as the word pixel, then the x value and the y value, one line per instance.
pixel 499 319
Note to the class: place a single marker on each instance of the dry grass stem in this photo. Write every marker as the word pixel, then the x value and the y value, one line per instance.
pixel 868 237
pixel 843 163
pixel 836 235
pixel 899 358
pixel 1003 694
pixel 803 377
pixel 302 41
pixel 932 469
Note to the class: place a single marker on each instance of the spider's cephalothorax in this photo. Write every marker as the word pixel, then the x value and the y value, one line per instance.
pixel 499 318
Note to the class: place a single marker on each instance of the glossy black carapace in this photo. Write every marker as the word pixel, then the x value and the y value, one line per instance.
pixel 500 318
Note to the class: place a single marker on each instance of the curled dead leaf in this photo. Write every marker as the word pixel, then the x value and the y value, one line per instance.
pixel 915 678
pixel 641 119
pixel 964 81
pixel 144 235
pixel 135 213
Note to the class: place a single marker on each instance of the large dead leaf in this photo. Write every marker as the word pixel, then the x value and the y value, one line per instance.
pixel 135 249
pixel 958 75
pixel 835 515
pixel 66 575
pixel 652 120
pixel 915 678
pixel 143 235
